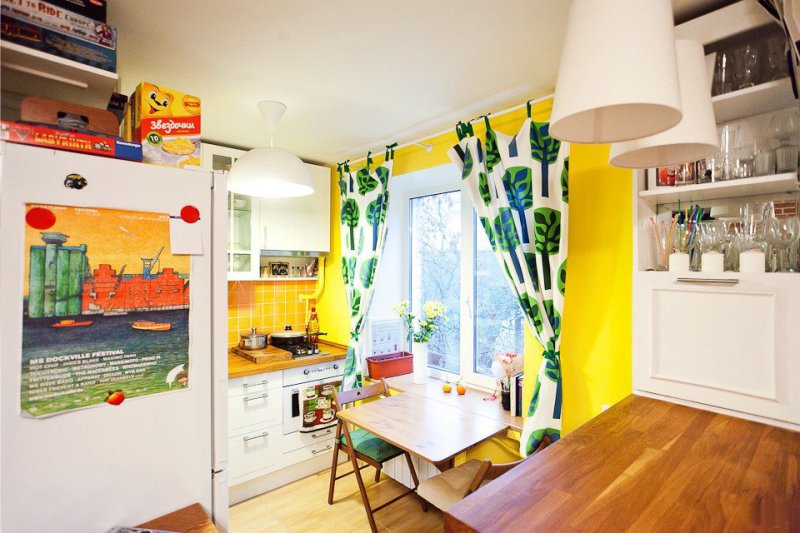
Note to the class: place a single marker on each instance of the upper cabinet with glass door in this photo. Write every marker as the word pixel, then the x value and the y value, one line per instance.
pixel 272 226
pixel 243 251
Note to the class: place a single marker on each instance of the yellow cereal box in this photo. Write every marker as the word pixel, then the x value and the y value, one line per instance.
pixel 167 123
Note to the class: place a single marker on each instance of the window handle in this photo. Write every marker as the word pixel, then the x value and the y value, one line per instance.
pixel 468 302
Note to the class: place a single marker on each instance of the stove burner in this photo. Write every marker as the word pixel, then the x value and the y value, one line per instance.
pixel 303 349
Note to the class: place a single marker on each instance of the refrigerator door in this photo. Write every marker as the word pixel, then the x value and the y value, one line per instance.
pixel 91 469
pixel 220 347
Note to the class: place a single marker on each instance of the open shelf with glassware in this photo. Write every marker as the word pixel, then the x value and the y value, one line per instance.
pixel 713 332
pixel 757 185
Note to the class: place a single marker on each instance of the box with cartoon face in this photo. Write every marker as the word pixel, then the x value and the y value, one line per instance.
pixel 167 123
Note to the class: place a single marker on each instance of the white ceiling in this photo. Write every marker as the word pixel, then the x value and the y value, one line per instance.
pixel 355 74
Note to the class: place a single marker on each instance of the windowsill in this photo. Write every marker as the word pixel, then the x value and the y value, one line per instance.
pixel 475 400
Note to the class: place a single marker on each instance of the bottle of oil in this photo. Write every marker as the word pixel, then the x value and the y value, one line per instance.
pixel 313 323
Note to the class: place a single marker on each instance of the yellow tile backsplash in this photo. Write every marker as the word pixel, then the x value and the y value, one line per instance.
pixel 267 305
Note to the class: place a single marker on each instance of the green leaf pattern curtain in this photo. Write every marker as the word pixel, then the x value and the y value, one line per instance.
pixel 364 202
pixel 519 188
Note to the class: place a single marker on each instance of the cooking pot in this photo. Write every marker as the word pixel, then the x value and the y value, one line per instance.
pixel 287 337
pixel 253 340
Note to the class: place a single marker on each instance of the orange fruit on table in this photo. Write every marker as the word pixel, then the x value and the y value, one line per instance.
pixel 461 389
pixel 447 388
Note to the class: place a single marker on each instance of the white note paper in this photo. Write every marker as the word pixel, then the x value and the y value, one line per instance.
pixel 185 238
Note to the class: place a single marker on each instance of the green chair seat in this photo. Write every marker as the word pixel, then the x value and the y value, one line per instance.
pixel 373 447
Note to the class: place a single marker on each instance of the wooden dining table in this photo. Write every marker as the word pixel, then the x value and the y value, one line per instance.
pixel 425 427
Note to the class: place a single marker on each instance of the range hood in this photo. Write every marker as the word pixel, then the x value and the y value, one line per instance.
pixel 291 253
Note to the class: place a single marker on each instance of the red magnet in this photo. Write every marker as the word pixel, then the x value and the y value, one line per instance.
pixel 190 214
pixel 40 218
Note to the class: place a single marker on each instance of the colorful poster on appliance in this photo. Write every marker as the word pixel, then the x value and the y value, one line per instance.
pixel 106 309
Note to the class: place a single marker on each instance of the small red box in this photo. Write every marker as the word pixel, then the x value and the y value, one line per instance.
pixel 390 364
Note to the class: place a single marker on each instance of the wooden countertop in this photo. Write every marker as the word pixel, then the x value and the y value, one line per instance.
pixel 474 401
pixel 239 367
pixel 647 465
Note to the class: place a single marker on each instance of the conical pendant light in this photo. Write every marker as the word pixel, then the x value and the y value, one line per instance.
pixel 695 136
pixel 618 76
pixel 270 172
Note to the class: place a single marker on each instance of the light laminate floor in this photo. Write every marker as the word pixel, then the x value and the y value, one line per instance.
pixel 303 506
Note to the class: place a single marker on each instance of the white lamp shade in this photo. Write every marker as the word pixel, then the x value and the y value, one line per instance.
pixel 695 136
pixel 618 77
pixel 270 173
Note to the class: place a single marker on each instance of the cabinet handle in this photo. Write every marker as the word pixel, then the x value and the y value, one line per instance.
pixel 259 436
pixel 325 449
pixel 251 398
pixel 245 385
pixel 708 281
pixel 315 436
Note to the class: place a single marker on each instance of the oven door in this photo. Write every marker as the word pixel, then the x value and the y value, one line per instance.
pixel 293 397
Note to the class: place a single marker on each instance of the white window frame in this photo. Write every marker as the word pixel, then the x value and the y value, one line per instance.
pixel 467 297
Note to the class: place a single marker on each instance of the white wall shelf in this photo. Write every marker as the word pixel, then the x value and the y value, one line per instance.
pixel 762 98
pixel 777 183
pixel 26 71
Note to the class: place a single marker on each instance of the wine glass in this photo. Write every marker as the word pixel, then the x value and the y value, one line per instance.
pixel 782 233
pixel 745 63
pixel 784 126
pixel 775 65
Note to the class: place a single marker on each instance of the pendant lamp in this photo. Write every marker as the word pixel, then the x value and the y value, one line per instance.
pixel 618 76
pixel 270 172
pixel 695 136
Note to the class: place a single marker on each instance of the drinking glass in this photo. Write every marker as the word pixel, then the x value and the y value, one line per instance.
pixel 775 67
pixel 783 233
pixel 660 235
pixel 728 141
pixel 723 74
pixel 745 63
pixel 764 161
pixel 743 160
pixel 751 241
pixel 709 238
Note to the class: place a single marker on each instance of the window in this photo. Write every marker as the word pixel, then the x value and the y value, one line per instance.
pixel 436 270
pixel 499 324
pixel 450 259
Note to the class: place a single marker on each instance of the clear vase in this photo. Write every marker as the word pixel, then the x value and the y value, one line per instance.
pixel 420 363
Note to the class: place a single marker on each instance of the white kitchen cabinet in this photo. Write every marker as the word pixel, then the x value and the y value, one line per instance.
pixel 299 224
pixel 727 341
pixel 724 341
pixel 255 400
pixel 255 384
pixel 254 452
pixel 273 224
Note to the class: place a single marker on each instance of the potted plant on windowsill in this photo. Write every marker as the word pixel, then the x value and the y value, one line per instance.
pixel 434 315
pixel 504 368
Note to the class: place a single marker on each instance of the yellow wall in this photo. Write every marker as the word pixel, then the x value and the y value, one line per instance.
pixel 596 339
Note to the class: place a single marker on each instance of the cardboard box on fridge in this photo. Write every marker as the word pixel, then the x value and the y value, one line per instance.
pixel 167 123
pixel 72 141
pixel 94 9
pixel 59 44
pixel 55 18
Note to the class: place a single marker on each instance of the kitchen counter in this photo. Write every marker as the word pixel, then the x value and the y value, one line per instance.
pixel 647 465
pixel 239 367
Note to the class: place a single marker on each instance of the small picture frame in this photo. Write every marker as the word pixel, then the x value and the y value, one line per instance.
pixel 279 270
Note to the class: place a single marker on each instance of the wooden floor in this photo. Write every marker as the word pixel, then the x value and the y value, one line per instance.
pixel 303 506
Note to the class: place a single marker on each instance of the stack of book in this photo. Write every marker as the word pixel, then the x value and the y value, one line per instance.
pixel 516 394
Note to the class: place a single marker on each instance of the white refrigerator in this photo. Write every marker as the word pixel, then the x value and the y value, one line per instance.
pixel 89 469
